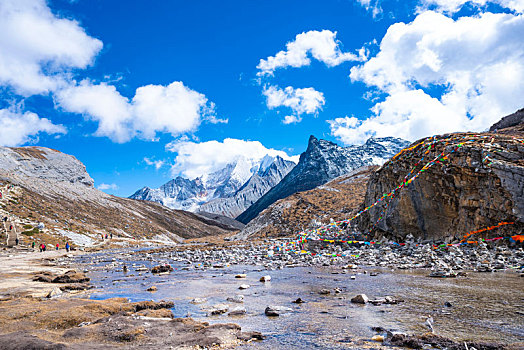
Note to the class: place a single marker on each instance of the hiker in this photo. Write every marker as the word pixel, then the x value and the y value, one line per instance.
pixel 111 235
pixel 106 236
pixel 57 245
pixel 45 247
pixel 33 245
pixel 67 246
pixel 41 247
pixel 16 241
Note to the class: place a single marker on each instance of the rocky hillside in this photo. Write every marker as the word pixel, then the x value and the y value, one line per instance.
pixel 323 161
pixel 470 181
pixel 40 185
pixel 335 200
pixel 228 191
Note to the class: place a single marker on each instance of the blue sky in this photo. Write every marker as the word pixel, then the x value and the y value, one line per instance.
pixel 138 90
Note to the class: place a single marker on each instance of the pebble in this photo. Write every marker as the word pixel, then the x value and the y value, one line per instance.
pixel 198 301
pixel 236 299
pixel 276 310
pixel 266 278
pixel 244 286
pixel 379 338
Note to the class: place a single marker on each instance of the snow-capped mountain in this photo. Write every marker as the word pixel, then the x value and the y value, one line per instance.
pixel 322 162
pixel 269 174
pixel 228 191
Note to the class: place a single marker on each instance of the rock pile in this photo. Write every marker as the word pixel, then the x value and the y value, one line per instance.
pixel 482 257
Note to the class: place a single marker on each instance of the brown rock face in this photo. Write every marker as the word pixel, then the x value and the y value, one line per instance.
pixel 479 184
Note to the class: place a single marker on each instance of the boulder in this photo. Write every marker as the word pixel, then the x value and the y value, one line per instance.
pixel 237 311
pixel 162 268
pixel 218 309
pixel 360 299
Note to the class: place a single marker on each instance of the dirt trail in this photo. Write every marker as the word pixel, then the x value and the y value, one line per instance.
pixel 18 267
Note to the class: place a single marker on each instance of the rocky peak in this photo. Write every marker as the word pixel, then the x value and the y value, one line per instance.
pixel 25 163
pixel 323 161
pixel 510 123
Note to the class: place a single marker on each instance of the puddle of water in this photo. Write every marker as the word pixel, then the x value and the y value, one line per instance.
pixel 484 306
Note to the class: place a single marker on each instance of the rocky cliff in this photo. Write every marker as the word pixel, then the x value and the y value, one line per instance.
pixel 463 182
pixel 41 185
pixel 335 200
pixel 323 161
pixel 42 163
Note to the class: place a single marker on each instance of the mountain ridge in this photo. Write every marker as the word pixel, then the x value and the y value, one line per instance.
pixel 323 161
pixel 228 191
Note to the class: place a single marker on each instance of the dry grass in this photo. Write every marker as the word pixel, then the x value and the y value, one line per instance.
pixel 336 200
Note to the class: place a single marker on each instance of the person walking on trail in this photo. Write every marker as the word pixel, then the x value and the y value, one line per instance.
pixel 41 247
pixel 16 241
pixel 111 235
pixel 33 245
pixel 67 246
pixel 57 245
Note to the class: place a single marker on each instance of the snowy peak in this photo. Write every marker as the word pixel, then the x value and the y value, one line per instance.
pixel 323 161
pixel 229 190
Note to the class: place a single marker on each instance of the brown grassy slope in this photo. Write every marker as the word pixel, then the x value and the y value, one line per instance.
pixel 336 200
pixel 138 219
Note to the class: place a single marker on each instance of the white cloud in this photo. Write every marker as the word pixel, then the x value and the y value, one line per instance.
pixel 301 101
pixel 371 5
pixel 17 128
pixel 39 52
pixel 38 49
pixel 453 6
pixel 104 187
pixel 196 159
pixel 174 109
pixel 442 75
pixel 322 45
pixel 291 119
pixel 156 163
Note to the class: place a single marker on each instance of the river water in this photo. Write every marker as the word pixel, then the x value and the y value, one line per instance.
pixel 484 306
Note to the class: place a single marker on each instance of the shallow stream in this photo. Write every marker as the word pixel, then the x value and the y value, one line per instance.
pixel 484 306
